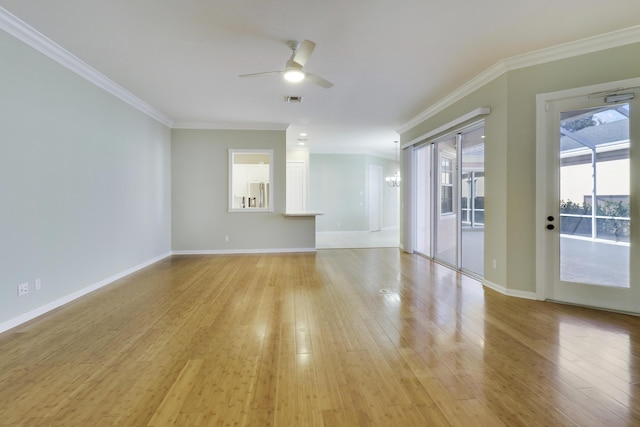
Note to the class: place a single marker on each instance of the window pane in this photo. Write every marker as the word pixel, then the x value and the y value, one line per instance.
pixel 472 201
pixel 423 200
pixel 447 199
pixel 594 163
pixel 250 180
pixel 445 221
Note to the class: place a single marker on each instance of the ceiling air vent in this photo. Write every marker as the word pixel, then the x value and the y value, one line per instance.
pixel 293 99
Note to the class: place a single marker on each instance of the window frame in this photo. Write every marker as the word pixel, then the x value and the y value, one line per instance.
pixel 450 172
pixel 268 195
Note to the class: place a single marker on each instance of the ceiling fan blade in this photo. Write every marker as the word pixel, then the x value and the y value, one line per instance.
pixel 312 78
pixel 303 52
pixel 266 73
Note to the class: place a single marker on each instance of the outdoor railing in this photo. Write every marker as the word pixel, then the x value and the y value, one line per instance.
pixel 607 227
pixel 476 214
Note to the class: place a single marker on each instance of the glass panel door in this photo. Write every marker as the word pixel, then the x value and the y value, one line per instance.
pixel 472 201
pixel 445 212
pixel 423 199
pixel 594 165
pixel 588 231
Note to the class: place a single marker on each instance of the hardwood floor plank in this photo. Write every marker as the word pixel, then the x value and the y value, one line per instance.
pixel 344 418
pixel 169 409
pixel 308 405
pixel 328 369
pixel 261 417
pixel 285 386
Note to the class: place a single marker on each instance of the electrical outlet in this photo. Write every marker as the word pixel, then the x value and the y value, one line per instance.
pixel 226 238
pixel 494 264
pixel 38 284
pixel 23 289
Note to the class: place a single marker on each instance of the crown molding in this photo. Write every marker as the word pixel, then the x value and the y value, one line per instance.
pixel 466 89
pixel 231 126
pixel 566 50
pixel 38 41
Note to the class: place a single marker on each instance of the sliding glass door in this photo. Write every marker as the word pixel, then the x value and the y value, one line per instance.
pixel 472 201
pixel 446 206
pixel 449 199
pixel 423 199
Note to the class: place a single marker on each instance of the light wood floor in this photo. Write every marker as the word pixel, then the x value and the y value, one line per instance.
pixel 308 339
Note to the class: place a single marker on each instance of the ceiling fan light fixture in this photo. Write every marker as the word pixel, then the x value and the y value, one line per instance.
pixel 293 75
pixel 293 71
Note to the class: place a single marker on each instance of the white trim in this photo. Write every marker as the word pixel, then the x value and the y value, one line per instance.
pixel 541 188
pixel 23 318
pixel 38 41
pixel 231 126
pixel 510 292
pixel 302 214
pixel 588 90
pixel 480 111
pixel 231 170
pixel 242 251
pixel 555 53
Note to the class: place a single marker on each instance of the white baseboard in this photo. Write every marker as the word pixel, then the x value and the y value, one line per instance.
pixel 242 251
pixel 510 292
pixel 23 318
pixel 338 232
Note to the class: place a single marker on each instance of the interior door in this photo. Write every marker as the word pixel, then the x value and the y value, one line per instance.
pixel 588 238
pixel 296 195
pixel 375 197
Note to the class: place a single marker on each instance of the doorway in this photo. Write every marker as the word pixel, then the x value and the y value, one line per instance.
pixel 585 175
pixel 449 199
pixel 423 199
pixel 296 187
pixel 375 198
pixel 445 214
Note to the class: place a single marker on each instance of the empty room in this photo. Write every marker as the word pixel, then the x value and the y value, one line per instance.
pixel 299 213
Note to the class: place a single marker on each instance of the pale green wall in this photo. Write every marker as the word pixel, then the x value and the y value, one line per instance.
pixel 339 190
pixel 390 196
pixel 523 85
pixel 510 151
pixel 84 182
pixel 200 215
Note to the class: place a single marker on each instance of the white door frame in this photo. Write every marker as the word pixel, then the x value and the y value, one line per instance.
pixel 375 197
pixel 542 181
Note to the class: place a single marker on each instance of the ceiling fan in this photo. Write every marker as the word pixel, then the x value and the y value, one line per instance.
pixel 293 70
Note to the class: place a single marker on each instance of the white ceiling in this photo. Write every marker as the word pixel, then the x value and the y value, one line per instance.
pixel 389 61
